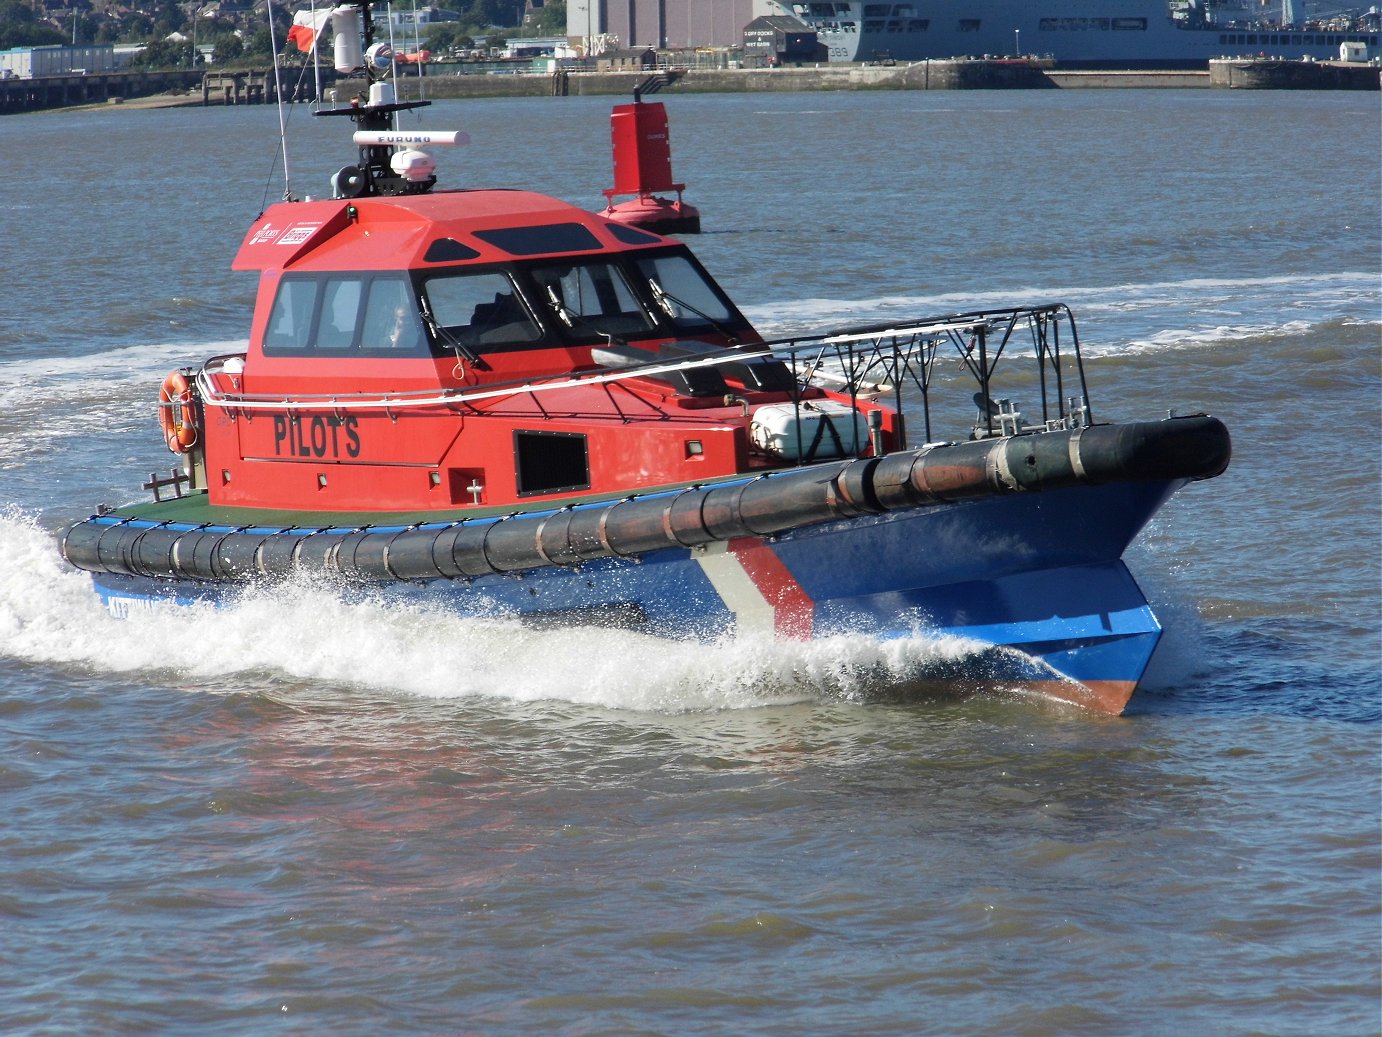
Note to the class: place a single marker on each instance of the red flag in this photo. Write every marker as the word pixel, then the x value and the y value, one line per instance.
pixel 307 25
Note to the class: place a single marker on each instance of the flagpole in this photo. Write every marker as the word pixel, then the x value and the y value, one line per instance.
pixel 316 56
pixel 278 89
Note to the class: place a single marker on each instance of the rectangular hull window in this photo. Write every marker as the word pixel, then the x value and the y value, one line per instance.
pixel 550 462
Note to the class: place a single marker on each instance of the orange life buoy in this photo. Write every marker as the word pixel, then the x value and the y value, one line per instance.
pixel 175 414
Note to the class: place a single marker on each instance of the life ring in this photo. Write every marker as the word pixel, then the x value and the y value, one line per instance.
pixel 175 414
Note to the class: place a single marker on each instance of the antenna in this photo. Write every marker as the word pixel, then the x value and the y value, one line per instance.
pixel 389 162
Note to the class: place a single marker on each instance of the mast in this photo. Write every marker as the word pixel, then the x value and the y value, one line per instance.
pixel 381 170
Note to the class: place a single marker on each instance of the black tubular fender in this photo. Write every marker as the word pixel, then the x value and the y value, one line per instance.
pixel 1195 447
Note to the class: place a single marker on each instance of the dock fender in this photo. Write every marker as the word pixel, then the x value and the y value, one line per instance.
pixel 784 501
pixel 931 474
pixel 239 553
pixel 412 554
pixel 468 548
pixel 511 544
pixel 76 544
pixel 362 555
pixel 552 539
pixel 438 555
pixel 636 526
pixel 584 532
pixel 110 550
pixel 683 519
pixel 316 552
pixel 190 553
pixel 720 511
pixel 277 553
pixel 851 492
pixel 1039 462
pixel 149 552
pixel 1196 446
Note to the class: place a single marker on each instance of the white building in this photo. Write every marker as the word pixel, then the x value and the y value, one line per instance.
pixel 407 18
pixel 55 60
pixel 667 23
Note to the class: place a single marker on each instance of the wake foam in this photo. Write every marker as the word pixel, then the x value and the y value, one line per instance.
pixel 306 630
pixel 1123 318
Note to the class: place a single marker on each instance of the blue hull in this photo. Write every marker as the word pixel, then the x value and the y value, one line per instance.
pixel 1039 573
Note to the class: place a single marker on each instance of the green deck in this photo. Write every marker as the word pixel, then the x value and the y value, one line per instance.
pixel 195 509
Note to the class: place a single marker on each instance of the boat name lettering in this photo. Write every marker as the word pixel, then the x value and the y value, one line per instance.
pixel 318 436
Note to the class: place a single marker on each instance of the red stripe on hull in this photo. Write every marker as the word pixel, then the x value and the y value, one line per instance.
pixel 793 609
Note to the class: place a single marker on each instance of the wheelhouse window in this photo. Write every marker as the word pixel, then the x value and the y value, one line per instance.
pixel 479 310
pixel 688 298
pixel 290 324
pixel 340 310
pixel 391 318
pixel 591 298
pixel 344 315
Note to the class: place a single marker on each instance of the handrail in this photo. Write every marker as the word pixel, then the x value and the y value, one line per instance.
pixel 904 353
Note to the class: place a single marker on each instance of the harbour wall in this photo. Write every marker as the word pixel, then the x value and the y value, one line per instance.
pixel 1275 74
pixel 1153 80
pixel 953 74
pixel 74 89
pixel 258 87
pixel 921 75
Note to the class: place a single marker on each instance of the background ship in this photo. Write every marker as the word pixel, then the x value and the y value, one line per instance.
pixel 1110 34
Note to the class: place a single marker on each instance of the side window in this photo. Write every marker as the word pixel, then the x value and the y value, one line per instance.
pixel 345 314
pixel 479 309
pixel 340 309
pixel 391 318
pixel 290 323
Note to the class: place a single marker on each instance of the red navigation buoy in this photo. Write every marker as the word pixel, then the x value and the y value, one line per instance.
pixel 642 166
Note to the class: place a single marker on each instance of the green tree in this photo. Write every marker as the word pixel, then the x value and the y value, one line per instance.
pixel 550 19
pixel 164 54
pixel 136 28
pixel 168 17
pixel 258 44
pixel 446 36
pixel 20 27
pixel 226 47
pixel 484 14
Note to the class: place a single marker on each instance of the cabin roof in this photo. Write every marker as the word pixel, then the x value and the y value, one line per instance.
pixel 418 231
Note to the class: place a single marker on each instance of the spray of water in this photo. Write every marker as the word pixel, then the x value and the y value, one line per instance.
pixel 307 631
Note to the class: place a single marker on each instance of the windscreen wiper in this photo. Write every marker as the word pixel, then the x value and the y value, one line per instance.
pixel 667 302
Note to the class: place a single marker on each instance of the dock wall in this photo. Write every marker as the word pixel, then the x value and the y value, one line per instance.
pixel 1272 74
pixel 74 89
pixel 258 87
pixel 921 75
pixel 1129 80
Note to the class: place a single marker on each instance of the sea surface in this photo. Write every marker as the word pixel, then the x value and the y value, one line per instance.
pixel 307 816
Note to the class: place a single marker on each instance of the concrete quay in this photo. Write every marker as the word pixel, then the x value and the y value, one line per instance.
pixel 1280 74
pixel 166 89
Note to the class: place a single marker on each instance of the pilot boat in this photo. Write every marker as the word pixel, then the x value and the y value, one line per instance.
pixel 501 403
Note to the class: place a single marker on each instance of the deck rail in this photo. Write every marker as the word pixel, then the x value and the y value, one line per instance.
pixel 898 360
